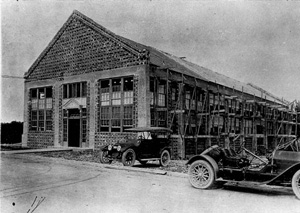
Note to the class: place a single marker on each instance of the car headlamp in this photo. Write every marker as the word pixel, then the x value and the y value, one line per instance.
pixel 119 148
pixel 109 147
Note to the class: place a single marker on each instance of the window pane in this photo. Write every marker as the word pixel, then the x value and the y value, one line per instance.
pixel 105 99
pixel 49 115
pixel 49 103
pixel 74 89
pixel 127 116
pixel 41 104
pixel 116 98
pixel 49 92
pixel 65 130
pixel 128 97
pixel 161 100
pixel 128 84
pixel 65 88
pixel 116 116
pixel 162 118
pixel 41 115
pixel 116 112
pixel 84 123
pixel 34 103
pixel 33 115
pixel 33 93
pixel 84 89
pixel 104 116
pixel 116 85
pixel 105 92
pixel 78 89
pixel 41 93
pixel 49 120
pixel 161 94
pixel 70 91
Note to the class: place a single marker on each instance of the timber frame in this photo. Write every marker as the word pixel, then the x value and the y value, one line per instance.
pixel 205 113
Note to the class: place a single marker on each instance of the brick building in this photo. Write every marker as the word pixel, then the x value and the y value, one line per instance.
pixel 89 85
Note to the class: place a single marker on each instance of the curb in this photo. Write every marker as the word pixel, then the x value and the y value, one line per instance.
pixel 34 151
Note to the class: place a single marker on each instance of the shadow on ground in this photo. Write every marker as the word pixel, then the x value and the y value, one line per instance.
pixel 259 190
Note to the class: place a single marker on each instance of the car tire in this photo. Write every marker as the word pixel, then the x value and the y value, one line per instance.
pixel 165 158
pixel 103 159
pixel 201 175
pixel 296 184
pixel 128 157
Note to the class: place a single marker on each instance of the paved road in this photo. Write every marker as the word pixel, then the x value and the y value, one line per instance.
pixel 37 184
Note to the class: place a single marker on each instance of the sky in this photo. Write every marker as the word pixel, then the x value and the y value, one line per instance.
pixel 253 41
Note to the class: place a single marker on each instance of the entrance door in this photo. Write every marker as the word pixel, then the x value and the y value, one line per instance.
pixel 74 132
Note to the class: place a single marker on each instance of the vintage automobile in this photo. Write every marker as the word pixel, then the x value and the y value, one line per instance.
pixel 217 165
pixel 146 147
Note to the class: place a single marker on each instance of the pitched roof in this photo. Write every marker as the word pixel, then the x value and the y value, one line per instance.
pixel 164 60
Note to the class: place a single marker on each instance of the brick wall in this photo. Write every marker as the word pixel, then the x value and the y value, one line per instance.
pixel 40 139
pixel 111 138
pixel 80 49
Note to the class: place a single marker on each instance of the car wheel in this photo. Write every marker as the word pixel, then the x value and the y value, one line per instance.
pixel 103 157
pixel 296 184
pixel 128 157
pixel 201 175
pixel 165 158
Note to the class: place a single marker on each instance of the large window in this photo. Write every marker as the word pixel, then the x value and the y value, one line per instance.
pixel 105 85
pixel 162 94
pixel 41 109
pixel 75 90
pixel 116 104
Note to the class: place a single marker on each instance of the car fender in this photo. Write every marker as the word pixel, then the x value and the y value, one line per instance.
pixel 104 148
pixel 207 158
pixel 288 172
pixel 163 149
pixel 124 148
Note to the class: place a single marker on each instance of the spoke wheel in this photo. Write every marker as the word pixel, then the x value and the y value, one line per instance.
pixel 201 175
pixel 165 158
pixel 103 157
pixel 296 184
pixel 128 157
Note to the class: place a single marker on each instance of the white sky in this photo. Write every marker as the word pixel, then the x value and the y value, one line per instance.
pixel 252 41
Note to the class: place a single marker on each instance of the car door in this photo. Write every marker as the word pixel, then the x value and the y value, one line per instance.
pixel 154 147
pixel 144 149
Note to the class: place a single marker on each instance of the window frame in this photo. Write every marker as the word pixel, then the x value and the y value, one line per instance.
pixel 70 90
pixel 109 122
pixel 41 104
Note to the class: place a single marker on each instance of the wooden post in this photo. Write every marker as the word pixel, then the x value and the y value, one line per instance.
pixel 254 141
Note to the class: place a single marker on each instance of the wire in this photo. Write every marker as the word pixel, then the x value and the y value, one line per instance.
pixel 10 76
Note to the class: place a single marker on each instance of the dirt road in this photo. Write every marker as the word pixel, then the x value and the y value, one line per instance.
pixel 37 184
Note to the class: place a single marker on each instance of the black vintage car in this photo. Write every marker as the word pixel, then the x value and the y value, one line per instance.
pixel 220 165
pixel 151 144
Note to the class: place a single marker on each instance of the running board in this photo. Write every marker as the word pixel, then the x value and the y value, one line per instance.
pixel 148 159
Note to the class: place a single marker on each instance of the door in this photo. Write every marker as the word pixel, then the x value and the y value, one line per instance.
pixel 74 132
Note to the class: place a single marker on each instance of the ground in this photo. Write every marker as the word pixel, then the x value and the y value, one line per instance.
pixel 93 156
pixel 31 183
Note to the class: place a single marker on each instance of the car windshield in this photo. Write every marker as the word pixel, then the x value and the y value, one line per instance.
pixel 146 135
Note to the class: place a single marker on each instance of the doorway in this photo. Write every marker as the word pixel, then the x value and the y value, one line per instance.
pixel 74 133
